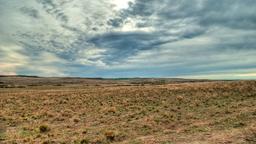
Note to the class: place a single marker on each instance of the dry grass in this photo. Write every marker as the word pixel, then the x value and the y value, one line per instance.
pixel 203 112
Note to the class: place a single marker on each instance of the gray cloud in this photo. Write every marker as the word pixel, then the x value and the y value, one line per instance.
pixel 30 12
pixel 52 7
pixel 231 13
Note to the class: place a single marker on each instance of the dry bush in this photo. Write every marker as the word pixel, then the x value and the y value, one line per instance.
pixel 44 129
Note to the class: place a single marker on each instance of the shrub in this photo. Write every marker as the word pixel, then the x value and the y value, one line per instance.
pixel 112 110
pixel 75 120
pixel 84 141
pixel 180 98
pixel 44 129
pixel 110 135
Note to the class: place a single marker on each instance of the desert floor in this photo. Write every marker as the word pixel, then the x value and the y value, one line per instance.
pixel 170 113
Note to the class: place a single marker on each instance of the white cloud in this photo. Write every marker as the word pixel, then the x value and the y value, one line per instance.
pixel 91 56
pixel 13 60
pixel 121 4
pixel 130 25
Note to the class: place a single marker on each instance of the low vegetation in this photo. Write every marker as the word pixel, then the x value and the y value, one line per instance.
pixel 168 113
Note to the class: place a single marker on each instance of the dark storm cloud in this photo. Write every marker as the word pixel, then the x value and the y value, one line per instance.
pixel 134 40
pixel 121 45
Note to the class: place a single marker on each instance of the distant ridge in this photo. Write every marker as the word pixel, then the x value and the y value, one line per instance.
pixel 131 80
pixel 96 78
pixel 134 79
pixel 18 76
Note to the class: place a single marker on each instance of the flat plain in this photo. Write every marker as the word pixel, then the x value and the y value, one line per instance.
pixel 126 111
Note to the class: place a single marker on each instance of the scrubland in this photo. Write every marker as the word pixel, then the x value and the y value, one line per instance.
pixel 124 113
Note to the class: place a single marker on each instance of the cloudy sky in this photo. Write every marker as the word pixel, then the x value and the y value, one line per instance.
pixel 129 38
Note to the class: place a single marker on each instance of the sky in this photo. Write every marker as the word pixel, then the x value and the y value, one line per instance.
pixel 129 38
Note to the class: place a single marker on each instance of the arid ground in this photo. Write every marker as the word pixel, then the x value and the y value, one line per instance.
pixel 96 111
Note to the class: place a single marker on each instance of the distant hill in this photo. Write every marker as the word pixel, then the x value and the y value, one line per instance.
pixel 17 76
pixel 36 80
